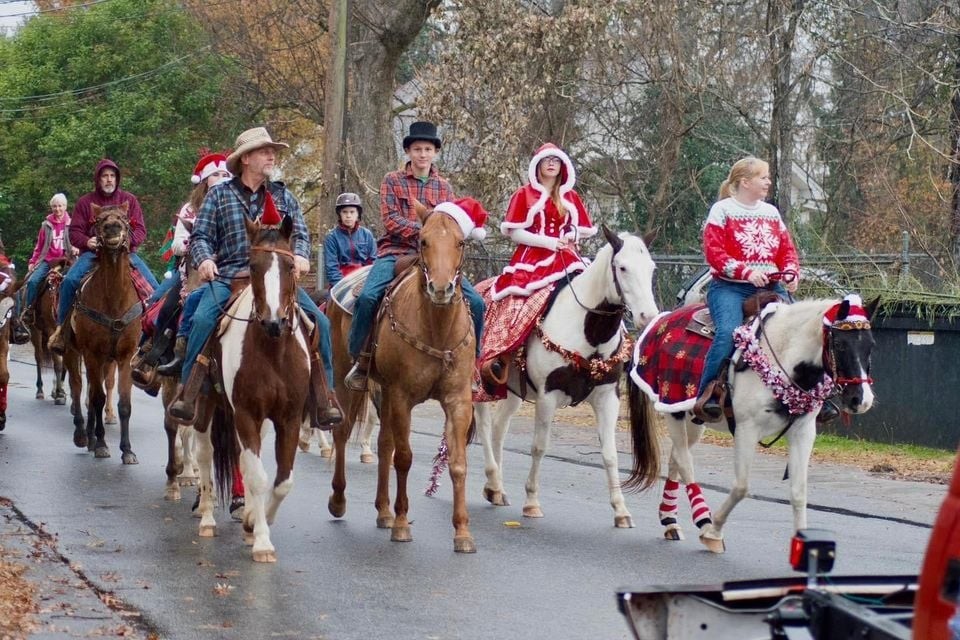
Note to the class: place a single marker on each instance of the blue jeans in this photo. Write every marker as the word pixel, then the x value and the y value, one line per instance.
pixel 165 286
pixel 34 282
pixel 190 304
pixel 204 321
pixel 725 300
pixel 80 268
pixel 379 278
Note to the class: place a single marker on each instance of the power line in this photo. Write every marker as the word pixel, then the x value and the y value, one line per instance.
pixel 38 11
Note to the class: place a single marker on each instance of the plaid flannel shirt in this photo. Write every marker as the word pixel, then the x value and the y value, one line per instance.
pixel 400 221
pixel 220 234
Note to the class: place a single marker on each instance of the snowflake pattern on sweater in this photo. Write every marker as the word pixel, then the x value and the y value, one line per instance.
pixel 738 240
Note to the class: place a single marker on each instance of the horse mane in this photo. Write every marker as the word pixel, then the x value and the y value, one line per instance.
pixel 797 328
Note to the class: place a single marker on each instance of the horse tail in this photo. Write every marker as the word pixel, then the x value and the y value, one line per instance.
pixel 646 449
pixel 355 411
pixel 226 451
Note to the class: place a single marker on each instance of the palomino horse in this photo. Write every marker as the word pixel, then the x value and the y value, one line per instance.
pixel 265 362
pixel 794 356
pixel 577 353
pixel 43 325
pixel 104 333
pixel 425 348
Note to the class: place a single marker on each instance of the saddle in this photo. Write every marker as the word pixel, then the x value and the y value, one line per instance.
pixel 701 322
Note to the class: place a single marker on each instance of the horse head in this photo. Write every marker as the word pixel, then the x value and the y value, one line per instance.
pixel 112 227
pixel 272 275
pixel 441 254
pixel 631 275
pixel 848 344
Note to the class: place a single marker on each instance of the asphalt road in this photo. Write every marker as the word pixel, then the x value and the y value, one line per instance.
pixel 548 578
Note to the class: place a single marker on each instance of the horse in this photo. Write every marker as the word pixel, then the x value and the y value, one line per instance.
pixel 425 348
pixel 802 351
pixel 371 421
pixel 9 276
pixel 577 353
pixel 264 359
pixel 103 332
pixel 42 326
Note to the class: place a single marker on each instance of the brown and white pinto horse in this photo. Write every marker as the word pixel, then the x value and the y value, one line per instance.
pixel 425 348
pixel 8 276
pixel 265 361
pixel 104 332
pixel 42 327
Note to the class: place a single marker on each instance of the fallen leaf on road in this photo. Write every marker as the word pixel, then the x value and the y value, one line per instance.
pixel 223 589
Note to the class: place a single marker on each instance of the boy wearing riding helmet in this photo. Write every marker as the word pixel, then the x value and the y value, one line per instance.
pixel 418 181
pixel 349 245
pixel 744 239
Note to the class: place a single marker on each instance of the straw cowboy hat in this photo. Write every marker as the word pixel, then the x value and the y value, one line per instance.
pixel 251 140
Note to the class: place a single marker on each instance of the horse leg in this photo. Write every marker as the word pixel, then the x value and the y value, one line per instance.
pixel 306 434
pixel 606 409
pixel 110 382
pixel 337 504
pixel 59 373
pixel 208 524
pixel 256 529
pixel 543 416
pixel 459 414
pixel 371 421
pixel 76 405
pixel 683 435
pixel 744 447
pixel 493 423
pixel 174 463
pixel 188 457
pixel 385 455
pixel 35 338
pixel 125 406
pixel 800 438
pixel 399 419
pixel 96 399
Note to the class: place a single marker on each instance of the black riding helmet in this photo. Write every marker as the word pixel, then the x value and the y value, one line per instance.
pixel 349 200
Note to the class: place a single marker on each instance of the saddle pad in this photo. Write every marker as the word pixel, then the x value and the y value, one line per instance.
pixel 346 292
pixel 669 360
pixel 6 310
pixel 240 307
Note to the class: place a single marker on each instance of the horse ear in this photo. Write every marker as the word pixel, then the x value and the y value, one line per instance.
pixel 286 227
pixel 95 209
pixel 125 206
pixel 649 237
pixel 253 228
pixel 844 310
pixel 421 210
pixel 871 307
pixel 615 241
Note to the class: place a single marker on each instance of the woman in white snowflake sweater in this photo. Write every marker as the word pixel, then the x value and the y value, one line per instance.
pixel 744 239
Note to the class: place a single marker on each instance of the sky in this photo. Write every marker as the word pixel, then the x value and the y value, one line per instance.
pixel 9 10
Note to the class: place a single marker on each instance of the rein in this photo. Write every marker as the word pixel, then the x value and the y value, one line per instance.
pixel 224 310
pixel 619 309
pixel 444 355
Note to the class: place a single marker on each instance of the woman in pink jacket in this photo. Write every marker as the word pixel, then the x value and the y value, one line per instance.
pixel 53 245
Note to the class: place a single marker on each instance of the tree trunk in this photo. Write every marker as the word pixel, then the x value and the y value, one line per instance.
pixel 335 108
pixel 954 171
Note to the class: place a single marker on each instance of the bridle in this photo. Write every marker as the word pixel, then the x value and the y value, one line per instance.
pixel 829 351
pixel 422 263
pixel 102 219
pixel 618 309
pixel 289 314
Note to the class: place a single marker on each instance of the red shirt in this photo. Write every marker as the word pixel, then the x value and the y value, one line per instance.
pixel 400 221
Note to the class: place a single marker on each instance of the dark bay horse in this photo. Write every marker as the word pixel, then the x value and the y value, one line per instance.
pixel 42 326
pixel 425 348
pixel 104 333
pixel 265 361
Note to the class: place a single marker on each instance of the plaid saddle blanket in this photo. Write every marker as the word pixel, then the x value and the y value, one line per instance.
pixel 346 292
pixel 669 360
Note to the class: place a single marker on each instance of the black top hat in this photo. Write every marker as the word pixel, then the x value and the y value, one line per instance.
pixel 422 131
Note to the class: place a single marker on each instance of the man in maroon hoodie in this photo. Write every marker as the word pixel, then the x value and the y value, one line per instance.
pixel 106 191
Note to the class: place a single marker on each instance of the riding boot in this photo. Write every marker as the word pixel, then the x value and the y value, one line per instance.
pixel 56 343
pixel 707 407
pixel 142 373
pixel 184 409
pixel 828 412
pixel 326 412
pixel 175 366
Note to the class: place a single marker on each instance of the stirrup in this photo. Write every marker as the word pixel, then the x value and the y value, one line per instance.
pixel 356 378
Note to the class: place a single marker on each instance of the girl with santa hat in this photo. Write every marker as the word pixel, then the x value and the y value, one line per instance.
pixel 546 219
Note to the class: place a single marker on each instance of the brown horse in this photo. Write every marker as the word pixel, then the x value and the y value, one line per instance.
pixel 425 348
pixel 264 359
pixel 42 326
pixel 104 332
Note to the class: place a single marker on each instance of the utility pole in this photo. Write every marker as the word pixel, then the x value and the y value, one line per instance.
pixel 335 107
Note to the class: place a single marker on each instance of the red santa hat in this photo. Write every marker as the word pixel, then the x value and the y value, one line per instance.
pixel 207 165
pixel 270 217
pixel 469 214
pixel 855 313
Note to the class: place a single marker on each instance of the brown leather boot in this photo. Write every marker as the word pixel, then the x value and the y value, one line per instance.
pixel 55 343
pixel 184 409
pixel 174 367
pixel 326 412
pixel 356 379
pixel 707 408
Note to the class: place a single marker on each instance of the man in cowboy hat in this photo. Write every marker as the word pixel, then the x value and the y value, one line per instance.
pixel 220 249
pixel 106 192
pixel 419 181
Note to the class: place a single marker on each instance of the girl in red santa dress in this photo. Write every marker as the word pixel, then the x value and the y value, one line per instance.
pixel 546 218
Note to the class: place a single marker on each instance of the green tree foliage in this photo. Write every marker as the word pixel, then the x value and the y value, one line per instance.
pixel 132 80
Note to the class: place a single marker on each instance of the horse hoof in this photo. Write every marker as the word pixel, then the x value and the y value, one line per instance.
pixel 673 533
pixel 496 498
pixel 110 420
pixel 304 445
pixel 248 538
pixel 623 522
pixel 713 544
pixel 532 512
pixel 401 534
pixel 80 440
pixel 129 458
pixel 384 522
pixel 336 507
pixel 208 530
pixel 101 452
pixel 60 400
pixel 39 395
pixel 464 544
pixel 326 452
pixel 264 556
pixel 366 458
pixel 172 494
pixel 186 481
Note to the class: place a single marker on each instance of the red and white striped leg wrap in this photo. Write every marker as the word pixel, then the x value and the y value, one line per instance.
pixel 3 398
pixel 701 512
pixel 668 506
